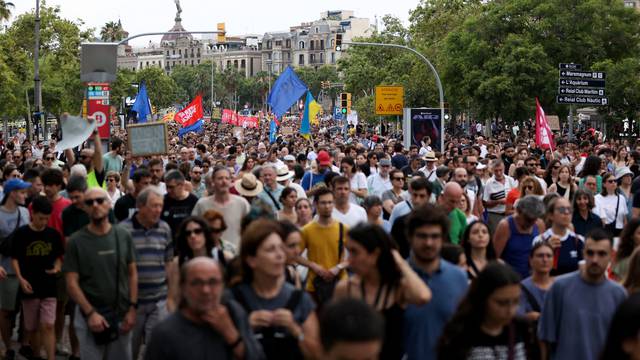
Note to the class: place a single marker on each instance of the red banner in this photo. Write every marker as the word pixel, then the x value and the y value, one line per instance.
pixel 190 114
pixel 248 121
pixel 229 117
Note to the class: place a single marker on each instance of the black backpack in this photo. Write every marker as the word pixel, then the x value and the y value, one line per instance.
pixel 276 342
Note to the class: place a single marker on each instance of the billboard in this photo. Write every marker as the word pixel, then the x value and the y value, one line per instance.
pixel 421 122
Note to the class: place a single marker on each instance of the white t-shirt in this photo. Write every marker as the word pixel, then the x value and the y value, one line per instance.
pixel 495 190
pixel 354 216
pixel 358 181
pixel 606 209
pixel 377 185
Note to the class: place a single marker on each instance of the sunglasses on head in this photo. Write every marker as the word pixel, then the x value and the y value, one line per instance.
pixel 90 202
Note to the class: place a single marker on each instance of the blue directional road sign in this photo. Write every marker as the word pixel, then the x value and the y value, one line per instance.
pixel 582 83
pixel 570 66
pixel 581 91
pixel 582 100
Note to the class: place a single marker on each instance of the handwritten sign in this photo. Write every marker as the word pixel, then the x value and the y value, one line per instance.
pixel 148 139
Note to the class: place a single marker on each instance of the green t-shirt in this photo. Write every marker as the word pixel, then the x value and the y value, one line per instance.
pixel 457 224
pixel 73 219
pixel 93 257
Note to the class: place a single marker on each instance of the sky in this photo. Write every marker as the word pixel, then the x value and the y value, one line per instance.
pixel 240 16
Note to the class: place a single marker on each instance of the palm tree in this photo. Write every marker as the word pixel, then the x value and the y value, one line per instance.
pixel 5 13
pixel 112 31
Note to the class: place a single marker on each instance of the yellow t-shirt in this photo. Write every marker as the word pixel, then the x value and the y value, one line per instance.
pixel 321 243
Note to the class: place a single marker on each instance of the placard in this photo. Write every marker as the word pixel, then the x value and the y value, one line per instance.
pixel 554 122
pixel 148 139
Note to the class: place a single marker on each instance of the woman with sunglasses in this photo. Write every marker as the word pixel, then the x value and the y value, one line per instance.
pixel 113 189
pixel 567 245
pixel 193 239
pixel 396 194
pixel 223 251
pixel 384 280
pixel 304 212
pixel 564 186
pixel 281 316
pixel 611 206
pixel 552 171
pixel 527 186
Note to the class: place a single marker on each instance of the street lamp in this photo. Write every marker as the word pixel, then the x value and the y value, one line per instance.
pixel 269 66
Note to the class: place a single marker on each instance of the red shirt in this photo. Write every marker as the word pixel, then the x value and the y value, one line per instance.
pixel 55 221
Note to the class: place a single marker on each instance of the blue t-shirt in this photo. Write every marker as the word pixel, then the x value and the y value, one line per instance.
pixel 310 179
pixel 576 316
pixel 423 324
pixel 538 296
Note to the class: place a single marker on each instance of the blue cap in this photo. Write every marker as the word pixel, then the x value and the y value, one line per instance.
pixel 15 184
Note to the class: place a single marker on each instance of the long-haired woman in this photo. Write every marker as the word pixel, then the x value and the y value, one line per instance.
pixel 281 316
pixel 304 212
pixel 592 166
pixel 564 186
pixel 292 238
pixel 551 174
pixel 478 247
pixel 288 199
pixel 631 280
pixel 384 280
pixel 629 241
pixel 611 206
pixel 584 220
pixel 485 321
pixel 194 239
pixel 623 341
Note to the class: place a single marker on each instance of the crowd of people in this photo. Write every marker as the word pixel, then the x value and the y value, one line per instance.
pixel 346 245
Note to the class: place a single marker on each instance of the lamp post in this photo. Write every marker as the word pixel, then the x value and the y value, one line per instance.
pixel 269 65
pixel 37 86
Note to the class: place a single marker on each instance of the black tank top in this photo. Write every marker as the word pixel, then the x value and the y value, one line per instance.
pixel 393 345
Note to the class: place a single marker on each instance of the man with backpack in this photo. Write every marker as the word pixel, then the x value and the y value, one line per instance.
pixel 13 214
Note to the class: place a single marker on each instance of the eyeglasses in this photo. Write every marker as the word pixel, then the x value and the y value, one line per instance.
pixel 473 163
pixel 196 231
pixel 528 187
pixel 398 178
pixel 611 181
pixel 565 210
pixel 217 230
pixel 49 158
pixel 99 201
pixel 557 167
pixel 111 179
pixel 197 172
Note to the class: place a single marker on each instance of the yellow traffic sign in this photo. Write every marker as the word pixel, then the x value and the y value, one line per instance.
pixel 389 100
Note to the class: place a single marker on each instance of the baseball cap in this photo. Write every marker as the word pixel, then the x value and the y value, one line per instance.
pixel 323 158
pixel 385 162
pixel 15 184
pixel 289 158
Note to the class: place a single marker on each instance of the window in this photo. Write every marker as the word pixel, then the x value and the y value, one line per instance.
pixel 235 64
pixel 311 45
pixel 278 42
pixel 301 60
pixel 316 29
pixel 301 45
pixel 321 44
pixel 289 56
pixel 174 51
pixel 228 63
pixel 321 58
pixel 192 63
pixel 243 63
pixel 333 43
pixel 312 59
pixel 167 52
pixel 269 44
pixel 180 51
pixel 288 44
pixel 147 64
pixel 333 58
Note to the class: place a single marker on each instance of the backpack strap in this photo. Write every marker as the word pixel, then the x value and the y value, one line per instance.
pixel 241 299
pixel 535 306
pixel 340 242
pixel 275 202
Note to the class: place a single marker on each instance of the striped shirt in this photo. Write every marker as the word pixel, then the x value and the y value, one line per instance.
pixel 154 250
pixel 495 190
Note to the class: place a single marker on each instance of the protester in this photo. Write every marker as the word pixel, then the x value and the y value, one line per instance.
pixel 420 192
pixel 349 330
pixel 344 210
pixel 427 228
pixel 381 181
pixel 292 237
pixel 271 191
pixel 281 316
pixel 568 330
pixel 478 248
pixel 178 203
pixel 208 325
pixel 125 207
pixel 484 324
pixel 567 245
pixel 154 251
pixel 303 212
pixel 36 271
pixel 495 193
pixel 223 251
pixel 449 201
pixel 536 286
pixel 288 199
pixel 233 207
pixel 104 288
pixel 514 235
pixel 381 274
pixel 584 220
pixel 611 206
pixel 622 339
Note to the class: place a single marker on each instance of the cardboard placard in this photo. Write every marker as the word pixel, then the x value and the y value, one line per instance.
pixel 148 139
pixel 554 122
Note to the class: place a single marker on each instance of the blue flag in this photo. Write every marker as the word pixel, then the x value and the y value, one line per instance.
pixel 196 127
pixel 273 131
pixel 287 89
pixel 142 106
pixel 305 126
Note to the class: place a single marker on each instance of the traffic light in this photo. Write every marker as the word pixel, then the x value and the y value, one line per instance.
pixel 345 103
pixel 338 43
pixel 222 35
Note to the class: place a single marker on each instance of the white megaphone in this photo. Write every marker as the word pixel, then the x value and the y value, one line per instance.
pixel 75 130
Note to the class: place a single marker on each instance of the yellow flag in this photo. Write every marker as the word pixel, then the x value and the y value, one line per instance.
pixel 314 110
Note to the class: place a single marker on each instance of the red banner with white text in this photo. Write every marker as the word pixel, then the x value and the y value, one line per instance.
pixel 190 114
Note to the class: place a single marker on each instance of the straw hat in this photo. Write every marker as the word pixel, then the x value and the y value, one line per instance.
pixel 249 185
pixel 284 173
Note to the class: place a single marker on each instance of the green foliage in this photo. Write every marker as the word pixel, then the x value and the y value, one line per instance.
pixel 623 88
pixel 112 32
pixel 161 88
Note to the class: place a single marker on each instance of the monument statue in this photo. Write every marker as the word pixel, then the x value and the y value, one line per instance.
pixel 178 10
